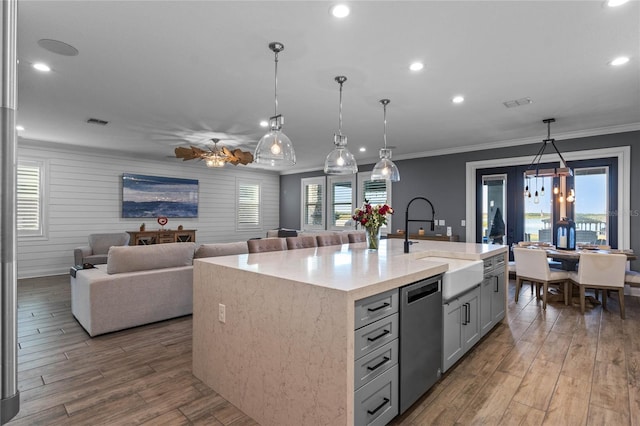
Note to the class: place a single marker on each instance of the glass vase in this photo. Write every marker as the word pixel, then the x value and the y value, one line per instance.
pixel 373 238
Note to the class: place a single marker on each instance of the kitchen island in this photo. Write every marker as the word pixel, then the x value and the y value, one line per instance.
pixel 273 333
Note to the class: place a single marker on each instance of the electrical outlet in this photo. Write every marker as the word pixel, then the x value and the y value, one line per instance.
pixel 463 222
pixel 449 233
pixel 222 313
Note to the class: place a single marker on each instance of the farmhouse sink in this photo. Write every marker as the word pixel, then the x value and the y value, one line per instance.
pixel 461 276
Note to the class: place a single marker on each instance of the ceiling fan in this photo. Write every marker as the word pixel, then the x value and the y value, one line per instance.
pixel 215 156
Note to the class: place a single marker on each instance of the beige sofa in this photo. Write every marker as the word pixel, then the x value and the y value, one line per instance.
pixel 138 285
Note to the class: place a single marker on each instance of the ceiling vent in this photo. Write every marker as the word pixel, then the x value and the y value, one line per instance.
pixel 97 121
pixel 517 102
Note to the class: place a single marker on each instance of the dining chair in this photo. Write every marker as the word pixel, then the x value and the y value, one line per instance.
pixel 329 240
pixel 304 241
pixel 601 271
pixel 632 278
pixel 266 244
pixel 357 237
pixel 532 266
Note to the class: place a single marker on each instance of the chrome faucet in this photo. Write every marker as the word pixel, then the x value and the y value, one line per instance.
pixel 407 220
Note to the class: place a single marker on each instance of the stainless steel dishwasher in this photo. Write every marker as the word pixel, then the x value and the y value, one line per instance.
pixel 420 338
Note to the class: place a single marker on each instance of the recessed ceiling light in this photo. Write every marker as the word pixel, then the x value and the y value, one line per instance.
pixel 19 128
pixel 363 149
pixel 457 99
pixel 614 3
pixel 41 67
pixel 264 123
pixel 416 66
pixel 621 60
pixel 340 10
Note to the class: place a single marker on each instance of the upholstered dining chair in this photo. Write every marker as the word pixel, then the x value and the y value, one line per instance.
pixel 328 240
pixel 601 271
pixel 357 237
pixel 632 278
pixel 532 266
pixel 266 244
pixel 303 241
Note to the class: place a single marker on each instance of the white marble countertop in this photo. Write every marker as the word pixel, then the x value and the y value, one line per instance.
pixel 354 269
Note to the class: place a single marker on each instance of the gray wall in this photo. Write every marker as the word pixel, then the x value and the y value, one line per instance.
pixel 442 180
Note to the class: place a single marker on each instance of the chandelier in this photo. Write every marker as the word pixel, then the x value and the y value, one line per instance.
pixel 534 168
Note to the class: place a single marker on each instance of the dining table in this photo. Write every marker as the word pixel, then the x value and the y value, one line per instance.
pixel 569 258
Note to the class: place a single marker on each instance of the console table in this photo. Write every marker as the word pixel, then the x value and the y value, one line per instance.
pixel 161 236
pixel 426 237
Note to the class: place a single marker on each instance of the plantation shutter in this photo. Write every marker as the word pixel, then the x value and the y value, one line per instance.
pixel 248 205
pixel 29 200
pixel 375 191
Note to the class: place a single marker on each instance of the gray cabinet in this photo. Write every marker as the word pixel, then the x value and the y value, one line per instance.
pixel 460 326
pixel 376 398
pixel 492 296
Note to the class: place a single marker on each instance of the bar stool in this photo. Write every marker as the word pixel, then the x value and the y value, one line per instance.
pixel 301 242
pixel 329 240
pixel 266 244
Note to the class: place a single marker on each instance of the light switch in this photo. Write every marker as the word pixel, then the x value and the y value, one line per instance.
pixel 441 222
pixel 463 222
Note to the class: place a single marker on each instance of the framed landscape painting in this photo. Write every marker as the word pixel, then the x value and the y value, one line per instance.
pixel 153 196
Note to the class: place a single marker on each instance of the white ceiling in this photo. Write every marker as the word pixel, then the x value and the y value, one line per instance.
pixel 174 73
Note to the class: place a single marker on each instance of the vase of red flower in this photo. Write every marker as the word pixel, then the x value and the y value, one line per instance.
pixel 372 218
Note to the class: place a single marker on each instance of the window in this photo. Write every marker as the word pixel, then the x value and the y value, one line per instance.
pixel 313 198
pixel 376 192
pixel 538 212
pixel 341 201
pixel 248 206
pixel 591 205
pixel 29 199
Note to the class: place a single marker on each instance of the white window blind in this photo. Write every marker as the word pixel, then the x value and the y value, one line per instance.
pixel 248 205
pixel 29 199
pixel 342 203
pixel 376 192
pixel 313 203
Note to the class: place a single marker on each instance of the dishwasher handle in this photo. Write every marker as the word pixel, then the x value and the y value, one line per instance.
pixel 421 292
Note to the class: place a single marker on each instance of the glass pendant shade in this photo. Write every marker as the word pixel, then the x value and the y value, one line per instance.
pixel 340 161
pixel 275 148
pixel 385 169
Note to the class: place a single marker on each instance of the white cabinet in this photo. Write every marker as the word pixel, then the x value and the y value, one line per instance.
pixel 460 326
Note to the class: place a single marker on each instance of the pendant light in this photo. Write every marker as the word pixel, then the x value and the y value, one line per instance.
pixel 275 147
pixel 340 161
pixel 385 169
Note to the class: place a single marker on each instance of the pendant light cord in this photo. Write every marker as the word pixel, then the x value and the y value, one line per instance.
pixel 276 85
pixel 384 106
pixel 340 112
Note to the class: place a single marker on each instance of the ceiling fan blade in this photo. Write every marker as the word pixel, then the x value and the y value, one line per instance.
pixel 189 153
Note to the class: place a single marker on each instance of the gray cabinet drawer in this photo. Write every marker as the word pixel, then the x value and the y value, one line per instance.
pixel 375 307
pixel 377 402
pixel 377 362
pixel 373 336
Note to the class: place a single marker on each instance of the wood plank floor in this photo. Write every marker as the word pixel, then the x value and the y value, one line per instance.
pixel 556 367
